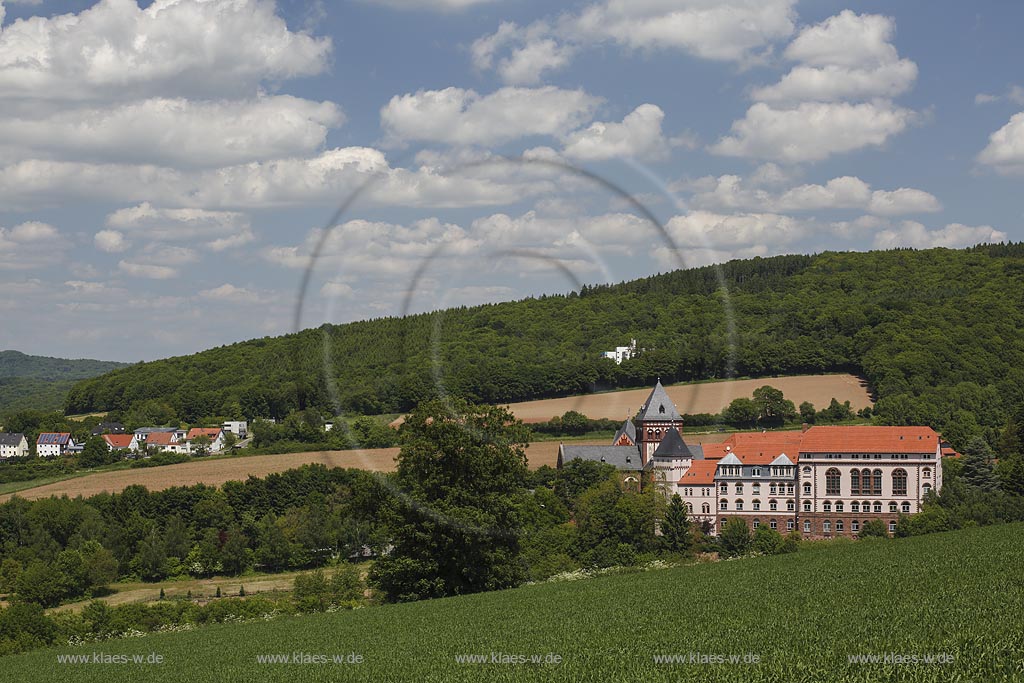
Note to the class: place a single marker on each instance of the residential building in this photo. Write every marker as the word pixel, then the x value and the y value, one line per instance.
pixel 214 434
pixel 13 445
pixel 621 353
pixel 239 428
pixel 54 444
pixel 108 428
pixel 165 442
pixel 121 442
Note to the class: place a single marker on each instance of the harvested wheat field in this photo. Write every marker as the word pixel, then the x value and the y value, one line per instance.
pixel 216 472
pixel 707 397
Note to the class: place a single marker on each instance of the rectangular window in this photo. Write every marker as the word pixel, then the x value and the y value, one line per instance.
pixel 855 525
pixel 773 524
pixel 789 525
pixel 807 527
pixel 826 527
pixel 892 527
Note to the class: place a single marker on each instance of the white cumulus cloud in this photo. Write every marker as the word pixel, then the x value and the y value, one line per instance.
pixel 459 116
pixel 1005 149
pixel 639 135
pixel 953 236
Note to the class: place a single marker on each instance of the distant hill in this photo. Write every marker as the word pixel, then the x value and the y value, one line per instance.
pixel 938 334
pixel 41 382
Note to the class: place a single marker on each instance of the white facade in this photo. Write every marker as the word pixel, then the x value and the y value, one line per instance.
pixel 621 353
pixel 239 428
pixel 16 448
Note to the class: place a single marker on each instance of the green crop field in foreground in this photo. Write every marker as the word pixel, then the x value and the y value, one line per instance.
pixel 957 596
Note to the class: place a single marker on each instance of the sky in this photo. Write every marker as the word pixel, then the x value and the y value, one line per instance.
pixel 180 174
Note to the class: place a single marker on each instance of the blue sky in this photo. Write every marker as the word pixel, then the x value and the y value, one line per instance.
pixel 167 168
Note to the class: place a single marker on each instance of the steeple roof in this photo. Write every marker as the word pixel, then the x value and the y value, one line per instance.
pixel 628 429
pixel 672 446
pixel 658 406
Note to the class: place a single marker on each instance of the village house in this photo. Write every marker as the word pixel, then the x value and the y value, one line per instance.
pixel 120 442
pixel 13 445
pixel 54 444
pixel 239 428
pixel 214 434
pixel 821 481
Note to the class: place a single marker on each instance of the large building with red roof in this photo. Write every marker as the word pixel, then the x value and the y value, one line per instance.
pixel 824 482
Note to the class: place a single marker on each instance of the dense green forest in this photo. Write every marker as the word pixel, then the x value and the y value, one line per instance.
pixel 40 382
pixel 936 333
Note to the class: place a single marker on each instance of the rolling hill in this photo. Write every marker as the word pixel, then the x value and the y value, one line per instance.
pixel 936 333
pixel 40 382
pixel 956 597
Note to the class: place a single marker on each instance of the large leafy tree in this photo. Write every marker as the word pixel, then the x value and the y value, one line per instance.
pixel 461 472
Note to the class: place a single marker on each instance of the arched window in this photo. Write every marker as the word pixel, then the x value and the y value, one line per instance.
pixel 705 509
pixel 839 506
pixel 739 487
pixel 899 482
pixel 807 489
pixel 827 506
pixel 773 524
pixel 839 526
pixel 790 505
pixel 807 527
pixel 926 488
pixel 724 505
pixel 905 507
pixel 689 508
pixel 854 506
pixel 855 526
pixel 773 505
pixel 807 471
pixel 757 504
pixel 757 523
pixel 739 503
pixel 865 482
pixel 892 506
pixel 807 506
pixel 855 482
pixel 876 484
pixel 926 473
pixel 826 527
pixel 832 482
pixel 878 506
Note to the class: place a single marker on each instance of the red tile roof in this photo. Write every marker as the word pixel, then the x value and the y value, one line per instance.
pixel 701 473
pixel 714 451
pixel 760 448
pixel 211 432
pixel 160 439
pixel 118 440
pixel 869 440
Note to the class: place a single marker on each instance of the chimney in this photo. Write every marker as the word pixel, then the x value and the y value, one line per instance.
pixel 804 427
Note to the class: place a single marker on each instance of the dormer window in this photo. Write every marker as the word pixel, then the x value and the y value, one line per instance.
pixel 661 408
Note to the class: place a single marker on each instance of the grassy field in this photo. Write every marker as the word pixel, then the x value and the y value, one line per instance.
pixel 701 397
pixel 217 471
pixel 957 595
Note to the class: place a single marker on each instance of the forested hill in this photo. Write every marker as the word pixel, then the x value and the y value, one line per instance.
pixel 937 333
pixel 42 382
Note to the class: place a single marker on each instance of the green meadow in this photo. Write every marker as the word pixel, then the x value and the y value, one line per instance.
pixel 956 597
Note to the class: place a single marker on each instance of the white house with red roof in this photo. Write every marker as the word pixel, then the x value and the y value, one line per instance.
pixel 121 442
pixel 214 434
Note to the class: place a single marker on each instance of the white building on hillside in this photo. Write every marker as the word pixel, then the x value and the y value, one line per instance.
pixel 13 445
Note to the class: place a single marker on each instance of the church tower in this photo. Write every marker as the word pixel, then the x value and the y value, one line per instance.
pixel 656 418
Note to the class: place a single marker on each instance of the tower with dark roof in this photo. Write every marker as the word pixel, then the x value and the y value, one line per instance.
pixel 656 418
